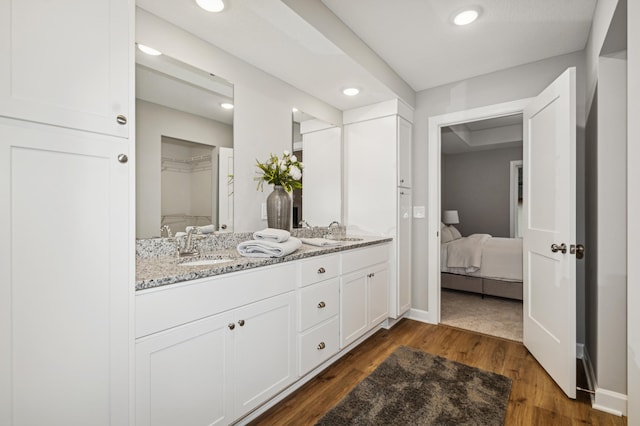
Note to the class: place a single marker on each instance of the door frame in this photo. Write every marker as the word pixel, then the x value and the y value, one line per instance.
pixel 434 196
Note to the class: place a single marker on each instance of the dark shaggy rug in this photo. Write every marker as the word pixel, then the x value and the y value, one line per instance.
pixel 416 388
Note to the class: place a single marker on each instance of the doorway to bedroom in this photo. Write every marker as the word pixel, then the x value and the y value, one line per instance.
pixel 481 249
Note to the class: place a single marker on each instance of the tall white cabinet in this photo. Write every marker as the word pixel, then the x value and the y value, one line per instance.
pixel 66 273
pixel 378 186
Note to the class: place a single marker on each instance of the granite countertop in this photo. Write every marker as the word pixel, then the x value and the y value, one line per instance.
pixel 165 270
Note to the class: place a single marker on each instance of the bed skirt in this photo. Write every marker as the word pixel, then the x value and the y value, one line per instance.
pixel 506 289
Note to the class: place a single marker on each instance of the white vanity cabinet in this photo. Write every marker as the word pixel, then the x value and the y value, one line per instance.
pixel 67 64
pixel 381 202
pixel 318 301
pixel 364 291
pixel 217 348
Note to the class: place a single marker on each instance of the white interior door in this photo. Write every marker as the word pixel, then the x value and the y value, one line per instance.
pixel 225 189
pixel 549 219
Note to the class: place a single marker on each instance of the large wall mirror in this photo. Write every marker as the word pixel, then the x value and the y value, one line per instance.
pixel 319 145
pixel 184 147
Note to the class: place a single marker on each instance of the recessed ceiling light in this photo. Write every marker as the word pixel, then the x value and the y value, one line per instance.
pixel 211 5
pixel 149 50
pixel 294 109
pixel 351 91
pixel 466 16
pixel 226 105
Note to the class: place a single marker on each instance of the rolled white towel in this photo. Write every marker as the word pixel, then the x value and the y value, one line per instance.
pixel 205 229
pixel 272 234
pixel 264 248
pixel 320 242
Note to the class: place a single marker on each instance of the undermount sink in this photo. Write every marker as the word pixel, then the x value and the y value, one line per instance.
pixel 344 238
pixel 204 262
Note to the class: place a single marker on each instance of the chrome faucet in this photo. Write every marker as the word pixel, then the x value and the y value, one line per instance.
pixel 335 222
pixel 336 229
pixel 189 248
pixel 165 228
pixel 304 224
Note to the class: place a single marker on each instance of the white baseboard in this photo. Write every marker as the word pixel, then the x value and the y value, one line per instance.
pixel 422 316
pixel 610 402
pixel 604 400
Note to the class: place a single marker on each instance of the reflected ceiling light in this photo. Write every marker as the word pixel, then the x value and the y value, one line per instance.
pixel 466 16
pixel 149 50
pixel 351 91
pixel 226 105
pixel 294 109
pixel 211 5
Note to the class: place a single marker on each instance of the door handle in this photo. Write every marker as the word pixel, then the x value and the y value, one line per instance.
pixel 578 250
pixel 559 248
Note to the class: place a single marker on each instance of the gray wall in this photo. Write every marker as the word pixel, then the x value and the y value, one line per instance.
pixel 477 185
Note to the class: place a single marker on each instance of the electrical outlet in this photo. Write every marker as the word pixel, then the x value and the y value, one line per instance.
pixel 419 212
pixel 263 214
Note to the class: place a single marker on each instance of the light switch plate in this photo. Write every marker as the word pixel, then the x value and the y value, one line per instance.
pixel 263 213
pixel 418 212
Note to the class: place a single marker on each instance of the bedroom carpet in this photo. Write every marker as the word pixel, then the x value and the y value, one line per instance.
pixel 412 387
pixel 492 315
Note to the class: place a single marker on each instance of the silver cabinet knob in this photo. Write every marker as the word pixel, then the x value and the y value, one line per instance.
pixel 321 346
pixel 321 305
pixel 123 158
pixel 241 323
pixel 121 119
pixel 559 248
pixel 231 326
pixel 321 270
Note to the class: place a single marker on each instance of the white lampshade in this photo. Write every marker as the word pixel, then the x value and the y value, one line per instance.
pixel 450 217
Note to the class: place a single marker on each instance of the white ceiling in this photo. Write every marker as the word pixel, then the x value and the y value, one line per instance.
pixel 173 84
pixel 419 41
pixel 482 135
pixel 414 37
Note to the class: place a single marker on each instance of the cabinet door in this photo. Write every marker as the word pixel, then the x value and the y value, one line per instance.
pixel 404 153
pixel 353 307
pixel 65 282
pixel 378 294
pixel 66 64
pixel 370 174
pixel 182 375
pixel 403 253
pixel 264 350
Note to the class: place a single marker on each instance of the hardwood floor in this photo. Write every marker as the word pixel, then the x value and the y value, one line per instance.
pixel 535 399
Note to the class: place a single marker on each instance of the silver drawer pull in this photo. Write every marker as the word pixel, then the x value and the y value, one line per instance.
pixel 121 119
pixel 321 270
pixel 241 323
pixel 321 346
pixel 321 305
pixel 231 326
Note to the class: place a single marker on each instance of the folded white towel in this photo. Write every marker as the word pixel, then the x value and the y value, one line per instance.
pixel 272 234
pixel 206 229
pixel 320 242
pixel 264 248
pixel 180 234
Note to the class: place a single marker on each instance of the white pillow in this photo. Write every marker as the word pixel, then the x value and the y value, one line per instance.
pixel 445 235
pixel 455 234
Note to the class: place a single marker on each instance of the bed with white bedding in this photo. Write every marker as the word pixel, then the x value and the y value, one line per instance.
pixel 482 264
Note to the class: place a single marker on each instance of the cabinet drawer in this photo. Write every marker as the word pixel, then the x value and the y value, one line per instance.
pixel 354 260
pixel 319 269
pixel 318 344
pixel 318 303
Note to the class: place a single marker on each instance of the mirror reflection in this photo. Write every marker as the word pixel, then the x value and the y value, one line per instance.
pixel 184 138
pixel 318 145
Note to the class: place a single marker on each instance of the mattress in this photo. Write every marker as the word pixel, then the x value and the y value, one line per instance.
pixel 501 260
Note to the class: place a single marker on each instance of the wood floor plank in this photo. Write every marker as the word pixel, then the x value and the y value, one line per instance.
pixel 535 399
